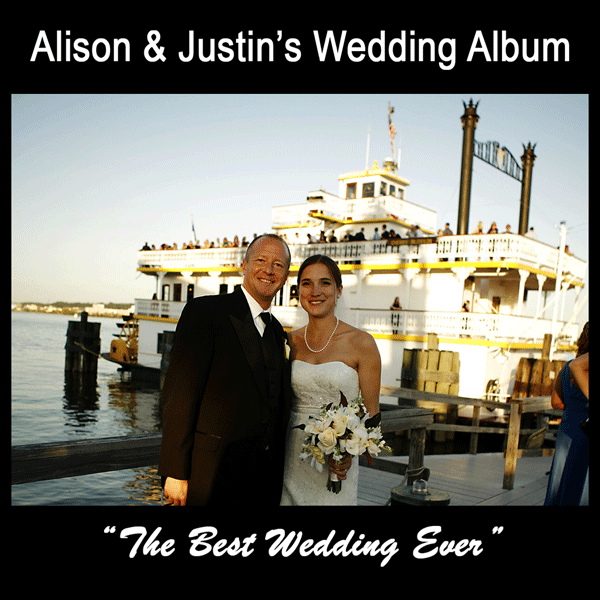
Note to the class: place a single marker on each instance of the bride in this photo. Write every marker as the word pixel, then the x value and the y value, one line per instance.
pixel 328 356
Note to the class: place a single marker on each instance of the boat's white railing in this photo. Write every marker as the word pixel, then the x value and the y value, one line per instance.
pixel 161 309
pixel 482 326
pixel 478 248
pixel 191 259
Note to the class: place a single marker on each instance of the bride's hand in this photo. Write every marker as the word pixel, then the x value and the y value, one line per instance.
pixel 340 468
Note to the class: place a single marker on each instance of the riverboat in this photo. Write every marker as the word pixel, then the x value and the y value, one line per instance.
pixel 434 276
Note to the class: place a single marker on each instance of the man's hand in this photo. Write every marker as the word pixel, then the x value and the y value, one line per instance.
pixel 176 490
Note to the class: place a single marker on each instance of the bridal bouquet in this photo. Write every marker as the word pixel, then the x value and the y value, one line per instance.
pixel 340 429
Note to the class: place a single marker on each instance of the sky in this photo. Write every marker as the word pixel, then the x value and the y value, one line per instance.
pixel 94 177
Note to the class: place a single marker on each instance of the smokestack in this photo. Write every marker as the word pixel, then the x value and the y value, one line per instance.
pixel 527 159
pixel 469 121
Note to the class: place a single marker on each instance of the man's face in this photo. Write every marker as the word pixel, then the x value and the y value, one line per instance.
pixel 265 270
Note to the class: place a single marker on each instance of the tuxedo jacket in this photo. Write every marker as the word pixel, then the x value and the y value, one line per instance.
pixel 217 417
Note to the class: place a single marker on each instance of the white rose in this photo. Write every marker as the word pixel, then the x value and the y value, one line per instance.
pixel 327 440
pixel 339 424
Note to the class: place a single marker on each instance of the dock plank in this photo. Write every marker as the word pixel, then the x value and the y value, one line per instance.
pixel 471 480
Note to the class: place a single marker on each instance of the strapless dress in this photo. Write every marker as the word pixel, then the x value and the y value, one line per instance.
pixel 313 386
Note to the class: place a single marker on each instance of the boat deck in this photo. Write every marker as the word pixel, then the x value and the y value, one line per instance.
pixel 471 480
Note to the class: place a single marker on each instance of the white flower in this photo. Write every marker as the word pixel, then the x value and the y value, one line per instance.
pixel 360 432
pixel 327 440
pixel 372 448
pixel 351 445
pixel 338 430
pixel 353 422
pixel 339 423
pixel 316 426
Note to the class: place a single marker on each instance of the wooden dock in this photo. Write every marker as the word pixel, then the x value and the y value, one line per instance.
pixel 471 480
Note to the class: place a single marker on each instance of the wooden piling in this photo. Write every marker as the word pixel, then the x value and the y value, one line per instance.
pixel 82 348
pixel 536 377
pixel 433 370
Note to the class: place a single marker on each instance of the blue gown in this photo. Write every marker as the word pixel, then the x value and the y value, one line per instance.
pixel 569 478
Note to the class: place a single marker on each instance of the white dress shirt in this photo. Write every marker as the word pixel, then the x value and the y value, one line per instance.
pixel 256 309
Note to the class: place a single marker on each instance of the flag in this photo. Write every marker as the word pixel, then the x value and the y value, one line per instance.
pixel 392 128
pixel 193 229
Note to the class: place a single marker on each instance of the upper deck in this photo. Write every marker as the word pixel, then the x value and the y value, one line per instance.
pixel 371 196
pixel 494 253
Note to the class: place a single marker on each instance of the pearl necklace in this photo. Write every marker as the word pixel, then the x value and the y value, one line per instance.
pixel 327 344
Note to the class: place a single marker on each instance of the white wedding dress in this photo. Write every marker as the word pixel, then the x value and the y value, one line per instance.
pixel 313 386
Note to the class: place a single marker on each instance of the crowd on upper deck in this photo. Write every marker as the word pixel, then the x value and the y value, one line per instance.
pixel 196 245
pixel 385 234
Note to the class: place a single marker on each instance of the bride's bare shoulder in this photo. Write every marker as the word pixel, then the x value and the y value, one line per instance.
pixel 359 339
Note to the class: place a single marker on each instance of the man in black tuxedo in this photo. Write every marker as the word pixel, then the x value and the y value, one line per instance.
pixel 226 397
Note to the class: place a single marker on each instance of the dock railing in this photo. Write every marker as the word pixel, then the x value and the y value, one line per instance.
pixel 517 408
pixel 55 460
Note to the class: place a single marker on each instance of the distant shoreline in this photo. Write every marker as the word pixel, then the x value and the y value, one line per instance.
pixel 73 308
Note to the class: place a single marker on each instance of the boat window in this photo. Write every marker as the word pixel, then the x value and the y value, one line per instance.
pixel 392 190
pixel 177 292
pixel 368 190
pixel 294 295
pixel 382 189
pixel 351 191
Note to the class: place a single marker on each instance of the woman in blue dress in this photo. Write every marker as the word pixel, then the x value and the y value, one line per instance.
pixel 569 478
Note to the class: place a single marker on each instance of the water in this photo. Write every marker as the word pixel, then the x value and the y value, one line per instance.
pixel 44 409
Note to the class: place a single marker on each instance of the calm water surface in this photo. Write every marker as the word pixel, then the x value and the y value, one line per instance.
pixel 44 408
